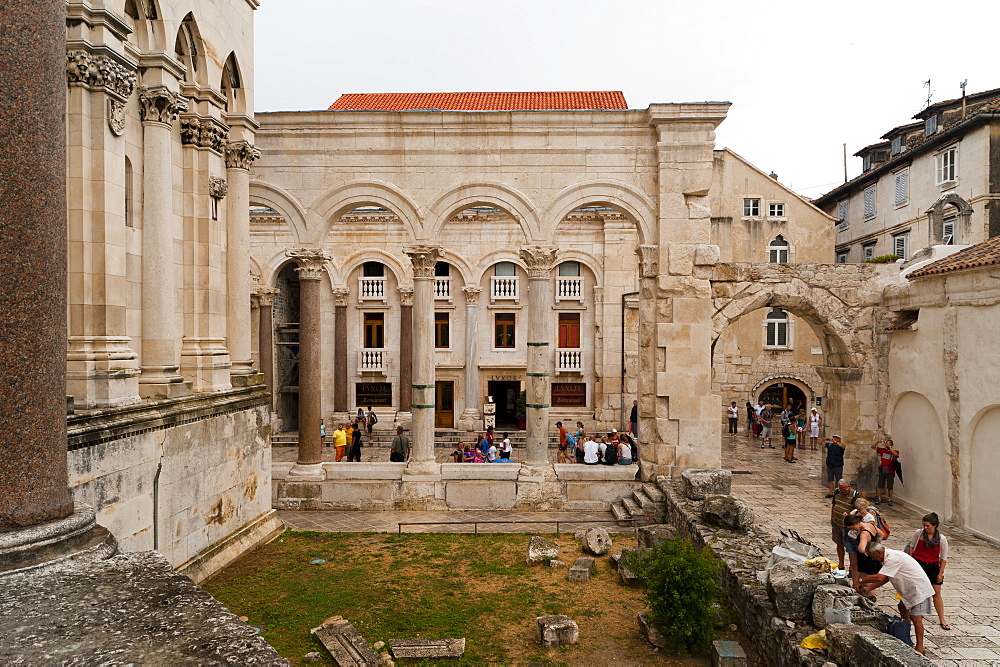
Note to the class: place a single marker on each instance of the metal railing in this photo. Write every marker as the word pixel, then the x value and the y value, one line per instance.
pixel 475 524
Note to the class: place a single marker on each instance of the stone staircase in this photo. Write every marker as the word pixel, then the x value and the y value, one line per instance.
pixel 642 507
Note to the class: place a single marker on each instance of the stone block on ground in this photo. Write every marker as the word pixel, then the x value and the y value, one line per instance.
pixel 833 595
pixel 650 632
pixel 791 585
pixel 541 549
pixel 728 512
pixel 345 644
pixel 656 534
pixel 879 648
pixel 596 541
pixel 728 654
pixel 556 631
pixel 840 641
pixel 699 484
pixel 625 573
pixel 581 570
pixel 614 560
pixel 431 649
pixel 557 564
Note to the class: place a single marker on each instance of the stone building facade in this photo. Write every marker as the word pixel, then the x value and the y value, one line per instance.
pixel 169 434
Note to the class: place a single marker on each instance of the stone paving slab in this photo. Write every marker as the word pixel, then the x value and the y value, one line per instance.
pixel 787 496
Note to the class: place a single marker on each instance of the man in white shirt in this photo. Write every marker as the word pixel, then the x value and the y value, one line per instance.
pixel 590 452
pixel 909 580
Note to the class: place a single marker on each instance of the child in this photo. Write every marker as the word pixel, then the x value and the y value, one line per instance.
pixel 458 456
pixel 789 434
pixel 468 455
pixel 506 451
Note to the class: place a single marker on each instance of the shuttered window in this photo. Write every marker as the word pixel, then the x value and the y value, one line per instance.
pixel 867 252
pixel 870 201
pixel 948 231
pixel 902 187
pixel 901 245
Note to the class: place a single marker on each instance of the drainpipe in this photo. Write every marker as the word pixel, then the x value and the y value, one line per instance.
pixel 621 425
pixel 156 505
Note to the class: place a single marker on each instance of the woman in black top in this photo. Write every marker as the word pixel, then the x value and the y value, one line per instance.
pixel 751 417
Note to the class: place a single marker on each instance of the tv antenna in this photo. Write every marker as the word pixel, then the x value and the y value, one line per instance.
pixel 962 85
pixel 927 85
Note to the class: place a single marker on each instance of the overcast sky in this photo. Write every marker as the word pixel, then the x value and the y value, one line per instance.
pixel 804 77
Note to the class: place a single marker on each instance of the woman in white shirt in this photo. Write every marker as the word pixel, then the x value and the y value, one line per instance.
pixel 625 454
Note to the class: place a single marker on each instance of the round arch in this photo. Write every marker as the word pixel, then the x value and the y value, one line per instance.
pixel 147 30
pixel 265 194
pixel 936 213
pixel 636 206
pixel 404 278
pixel 277 261
pixel 983 494
pixel 585 258
pixel 349 196
pixel 491 258
pixel 778 378
pixel 919 432
pixel 817 308
pixel 465 269
pixel 509 199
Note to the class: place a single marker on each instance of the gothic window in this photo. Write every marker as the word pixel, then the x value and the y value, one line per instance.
pixel 777 251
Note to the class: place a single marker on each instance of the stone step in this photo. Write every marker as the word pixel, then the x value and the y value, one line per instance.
pixel 631 506
pixel 622 517
pixel 654 493
pixel 644 501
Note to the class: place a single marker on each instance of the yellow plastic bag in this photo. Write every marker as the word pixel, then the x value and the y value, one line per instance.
pixel 815 640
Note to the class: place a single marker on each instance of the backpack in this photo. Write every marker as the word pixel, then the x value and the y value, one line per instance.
pixel 881 524
pixel 611 455
pixel 570 440
pixel 372 418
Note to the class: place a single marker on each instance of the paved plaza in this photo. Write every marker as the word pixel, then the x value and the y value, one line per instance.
pixel 783 496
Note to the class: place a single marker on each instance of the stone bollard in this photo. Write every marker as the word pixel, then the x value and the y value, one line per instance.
pixel 556 631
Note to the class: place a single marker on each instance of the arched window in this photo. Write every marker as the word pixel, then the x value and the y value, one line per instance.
pixel 776 325
pixel 230 86
pixel 186 47
pixel 777 251
pixel 504 269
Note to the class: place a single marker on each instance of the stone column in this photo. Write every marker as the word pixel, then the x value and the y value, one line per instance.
pixel 423 258
pixel 539 260
pixel 239 157
pixel 265 301
pixel 33 480
pixel 311 269
pixel 405 352
pixel 471 419
pixel 340 350
pixel 160 345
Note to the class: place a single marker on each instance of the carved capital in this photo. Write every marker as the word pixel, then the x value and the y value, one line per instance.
pixel 539 260
pixel 340 296
pixel 241 155
pixel 100 71
pixel 311 261
pixel 424 258
pixel 472 294
pixel 204 133
pixel 160 105
pixel 217 187
pixel 265 295
pixel 648 260
pixel 406 296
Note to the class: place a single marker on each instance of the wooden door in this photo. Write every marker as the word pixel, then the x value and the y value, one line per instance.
pixel 444 411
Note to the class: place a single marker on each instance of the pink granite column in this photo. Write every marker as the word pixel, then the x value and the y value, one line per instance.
pixel 265 337
pixel 340 403
pixel 33 479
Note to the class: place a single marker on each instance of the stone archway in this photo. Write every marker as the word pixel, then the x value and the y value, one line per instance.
pixel 936 214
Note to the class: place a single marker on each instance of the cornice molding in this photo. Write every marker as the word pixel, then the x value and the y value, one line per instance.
pixel 98 67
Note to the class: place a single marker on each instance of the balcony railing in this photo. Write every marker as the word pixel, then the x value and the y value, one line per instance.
pixel 442 288
pixel 371 361
pixel 503 287
pixel 371 289
pixel 569 361
pixel 569 289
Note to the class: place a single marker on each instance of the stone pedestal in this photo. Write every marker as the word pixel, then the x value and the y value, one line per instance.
pixel 423 258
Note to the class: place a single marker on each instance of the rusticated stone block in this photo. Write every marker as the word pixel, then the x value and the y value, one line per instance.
pixel 699 484
pixel 728 512
pixel 556 631
pixel 541 549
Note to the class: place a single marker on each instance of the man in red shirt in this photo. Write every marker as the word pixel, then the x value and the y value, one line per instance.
pixel 563 444
pixel 887 455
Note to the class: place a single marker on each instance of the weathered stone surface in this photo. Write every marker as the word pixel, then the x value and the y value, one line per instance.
pixel 437 649
pixel 557 564
pixel 578 535
pixel 883 650
pixel 312 656
pixel 346 645
pixel 727 511
pixel 840 641
pixel 791 585
pixel 699 484
pixel 614 560
pixel 540 549
pixel 556 631
pixel 825 596
pixel 596 541
pixel 649 631
pixel 656 534
pixel 582 569
pixel 728 654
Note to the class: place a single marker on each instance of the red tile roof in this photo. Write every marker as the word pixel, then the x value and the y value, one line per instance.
pixel 986 253
pixel 594 99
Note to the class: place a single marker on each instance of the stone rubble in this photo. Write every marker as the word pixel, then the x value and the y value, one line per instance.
pixel 428 649
pixel 345 644
pixel 596 541
pixel 581 570
pixel 728 512
pixel 650 632
pixel 791 585
pixel 556 631
pixel 541 549
pixel 699 484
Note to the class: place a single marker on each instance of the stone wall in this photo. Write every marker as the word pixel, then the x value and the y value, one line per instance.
pixel 190 479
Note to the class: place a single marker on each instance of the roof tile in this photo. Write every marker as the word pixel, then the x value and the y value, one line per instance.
pixel 986 253
pixel 528 101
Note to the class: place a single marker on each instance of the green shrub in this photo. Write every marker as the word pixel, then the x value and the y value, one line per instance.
pixel 681 588
pixel 882 259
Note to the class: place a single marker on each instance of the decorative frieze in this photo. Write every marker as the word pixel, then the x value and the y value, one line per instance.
pixel 217 187
pixel 160 105
pixel 241 154
pixel 100 71
pixel 311 261
pixel 648 262
pixel 424 258
pixel 539 260
pixel 204 133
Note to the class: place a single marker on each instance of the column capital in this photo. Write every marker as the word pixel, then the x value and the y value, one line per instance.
pixel 160 105
pixel 241 154
pixel 424 258
pixel 311 261
pixel 406 296
pixel 107 71
pixel 648 260
pixel 340 296
pixel 472 294
pixel 540 260
pixel 265 295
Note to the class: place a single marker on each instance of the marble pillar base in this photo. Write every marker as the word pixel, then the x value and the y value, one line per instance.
pixel 169 389
pixel 253 379
pixel 649 471
pixel 102 371
pixel 311 472
pixel 77 538
pixel 422 471
pixel 470 420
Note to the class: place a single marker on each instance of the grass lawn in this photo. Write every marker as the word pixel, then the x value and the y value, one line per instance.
pixel 435 586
